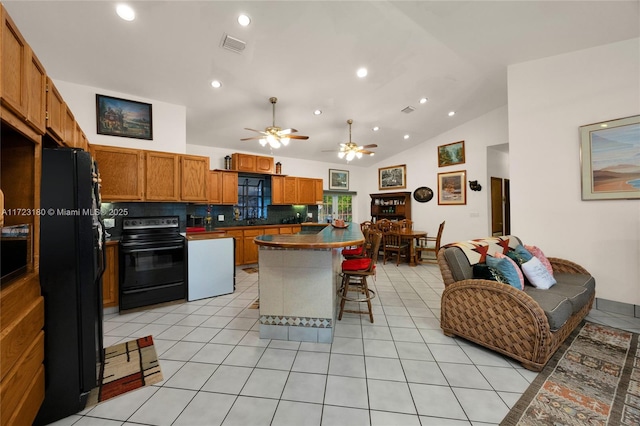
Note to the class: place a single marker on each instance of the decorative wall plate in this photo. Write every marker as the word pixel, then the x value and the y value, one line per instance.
pixel 423 194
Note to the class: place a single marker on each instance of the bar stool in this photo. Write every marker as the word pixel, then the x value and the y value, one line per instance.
pixel 359 251
pixel 354 278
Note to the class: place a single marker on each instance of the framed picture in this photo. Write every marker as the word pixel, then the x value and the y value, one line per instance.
pixel 610 157
pixel 452 188
pixel 450 154
pixel 338 179
pixel 394 177
pixel 120 117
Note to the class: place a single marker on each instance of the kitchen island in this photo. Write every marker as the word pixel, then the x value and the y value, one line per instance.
pixel 298 282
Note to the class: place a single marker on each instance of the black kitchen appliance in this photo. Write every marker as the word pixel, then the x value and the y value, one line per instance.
pixel 152 261
pixel 71 266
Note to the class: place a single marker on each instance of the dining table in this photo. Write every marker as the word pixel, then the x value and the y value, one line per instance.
pixel 410 235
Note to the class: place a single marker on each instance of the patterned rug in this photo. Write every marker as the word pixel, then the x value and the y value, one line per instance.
pixel 250 270
pixel 127 366
pixel 593 379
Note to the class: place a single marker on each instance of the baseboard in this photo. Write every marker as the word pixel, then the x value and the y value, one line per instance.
pixel 618 307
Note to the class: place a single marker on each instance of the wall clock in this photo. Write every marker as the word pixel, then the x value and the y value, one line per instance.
pixel 423 194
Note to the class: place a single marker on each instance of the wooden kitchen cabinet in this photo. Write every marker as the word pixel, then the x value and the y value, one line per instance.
pixel 250 250
pixel 223 187
pixel 252 163
pixel 55 111
pixel 110 277
pixel 238 237
pixel 22 81
pixel 162 176
pixel 306 189
pixel 69 134
pixel 122 172
pixel 284 190
pixel 319 191
pixel 194 174
pixel 277 190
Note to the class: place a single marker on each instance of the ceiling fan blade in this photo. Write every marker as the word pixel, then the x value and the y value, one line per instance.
pixel 250 139
pixel 364 151
pixel 287 131
pixel 371 145
pixel 298 137
pixel 254 130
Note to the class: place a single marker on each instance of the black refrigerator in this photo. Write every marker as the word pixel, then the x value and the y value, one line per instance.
pixel 71 267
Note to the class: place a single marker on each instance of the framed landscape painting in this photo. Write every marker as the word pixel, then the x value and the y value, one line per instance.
pixel 452 188
pixel 394 177
pixel 450 154
pixel 120 117
pixel 338 179
pixel 610 157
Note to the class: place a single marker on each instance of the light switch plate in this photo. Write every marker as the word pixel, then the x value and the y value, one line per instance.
pixel 220 218
pixel 109 223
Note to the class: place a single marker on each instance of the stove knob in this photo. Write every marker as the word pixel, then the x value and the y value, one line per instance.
pixel 174 221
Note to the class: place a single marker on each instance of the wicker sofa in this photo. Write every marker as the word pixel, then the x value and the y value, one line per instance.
pixel 528 326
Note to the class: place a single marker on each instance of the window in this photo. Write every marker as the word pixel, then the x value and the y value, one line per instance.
pixel 336 206
pixel 253 198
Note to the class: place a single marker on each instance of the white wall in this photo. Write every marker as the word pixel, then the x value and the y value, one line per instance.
pixel 548 100
pixel 169 120
pixel 463 222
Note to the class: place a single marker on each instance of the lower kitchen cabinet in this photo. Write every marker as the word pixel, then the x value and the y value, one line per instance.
pixel 237 235
pixel 110 277
pixel 250 252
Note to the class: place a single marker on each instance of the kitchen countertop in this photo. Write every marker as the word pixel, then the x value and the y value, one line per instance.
pixel 271 225
pixel 207 235
pixel 329 237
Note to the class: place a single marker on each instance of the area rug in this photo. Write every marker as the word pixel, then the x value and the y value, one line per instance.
pixel 127 366
pixel 255 304
pixel 250 270
pixel 593 379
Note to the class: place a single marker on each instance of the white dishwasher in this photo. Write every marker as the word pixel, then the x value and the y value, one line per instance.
pixel 211 266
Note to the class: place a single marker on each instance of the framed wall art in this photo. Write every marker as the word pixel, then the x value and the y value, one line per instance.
pixel 452 189
pixel 338 179
pixel 610 157
pixel 450 154
pixel 121 117
pixel 394 177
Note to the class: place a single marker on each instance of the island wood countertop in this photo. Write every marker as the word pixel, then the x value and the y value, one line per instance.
pixel 329 237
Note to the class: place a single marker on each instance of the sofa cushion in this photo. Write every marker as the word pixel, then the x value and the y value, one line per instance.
pixel 583 280
pixel 508 268
pixel 458 264
pixel 556 306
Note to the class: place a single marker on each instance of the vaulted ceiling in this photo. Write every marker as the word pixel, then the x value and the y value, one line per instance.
pixel 306 53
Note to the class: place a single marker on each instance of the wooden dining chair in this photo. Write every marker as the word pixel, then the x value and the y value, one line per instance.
pixel 394 243
pixel 430 245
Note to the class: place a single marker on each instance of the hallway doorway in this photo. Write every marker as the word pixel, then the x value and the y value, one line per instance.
pixel 500 206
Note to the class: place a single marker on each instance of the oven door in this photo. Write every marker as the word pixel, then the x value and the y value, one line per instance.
pixel 151 275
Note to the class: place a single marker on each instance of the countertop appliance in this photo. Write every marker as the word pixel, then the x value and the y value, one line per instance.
pixel 211 265
pixel 152 261
pixel 71 267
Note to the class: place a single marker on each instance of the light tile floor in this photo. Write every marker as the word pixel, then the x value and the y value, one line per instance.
pixel 401 370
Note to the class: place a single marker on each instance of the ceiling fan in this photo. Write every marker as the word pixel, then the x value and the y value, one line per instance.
pixel 274 135
pixel 351 150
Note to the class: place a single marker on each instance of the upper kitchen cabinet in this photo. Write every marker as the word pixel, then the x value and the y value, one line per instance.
pixel 306 189
pixel 284 190
pixel 162 172
pixel 319 191
pixel 56 110
pixel 22 81
pixel 194 173
pixel 252 163
pixel 122 172
pixel 223 187
pixel 69 138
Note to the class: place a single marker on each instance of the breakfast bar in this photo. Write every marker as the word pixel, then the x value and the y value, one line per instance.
pixel 299 278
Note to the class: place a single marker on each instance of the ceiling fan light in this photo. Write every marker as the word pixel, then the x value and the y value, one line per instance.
pixel 359 154
pixel 350 155
pixel 341 154
pixel 284 141
pixel 263 141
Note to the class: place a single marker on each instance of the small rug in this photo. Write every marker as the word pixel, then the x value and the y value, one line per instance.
pixel 593 379
pixel 250 270
pixel 255 305
pixel 127 366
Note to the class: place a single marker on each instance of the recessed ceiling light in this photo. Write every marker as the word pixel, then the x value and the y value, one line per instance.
pixel 376 128
pixel 423 100
pixel 216 84
pixel 406 136
pixel 126 12
pixel 244 20
pixel 362 72
pixel 317 112
pixel 452 113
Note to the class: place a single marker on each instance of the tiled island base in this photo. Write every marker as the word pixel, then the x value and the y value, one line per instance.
pixel 298 293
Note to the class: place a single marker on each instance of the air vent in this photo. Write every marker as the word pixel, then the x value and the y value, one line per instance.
pixel 408 109
pixel 233 44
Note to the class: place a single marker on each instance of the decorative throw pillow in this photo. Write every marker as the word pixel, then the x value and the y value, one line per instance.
pixel 508 268
pixel 519 255
pixel 485 272
pixel 541 257
pixel 537 274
